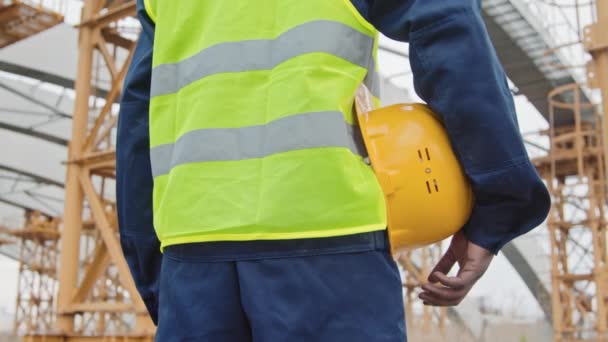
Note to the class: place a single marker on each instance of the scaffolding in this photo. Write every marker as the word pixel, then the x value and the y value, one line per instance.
pixel 92 296
pixel 575 170
pixel 37 282
pixel 20 19
pixel 97 297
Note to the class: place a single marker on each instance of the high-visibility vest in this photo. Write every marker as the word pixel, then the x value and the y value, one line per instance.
pixel 252 129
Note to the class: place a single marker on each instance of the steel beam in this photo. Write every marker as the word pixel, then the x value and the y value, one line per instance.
pixel 34 100
pixel 32 133
pixel 37 178
pixel 74 197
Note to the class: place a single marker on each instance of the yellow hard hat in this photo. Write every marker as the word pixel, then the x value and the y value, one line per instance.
pixel 428 196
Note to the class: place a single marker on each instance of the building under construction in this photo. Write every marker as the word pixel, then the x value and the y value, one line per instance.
pixel 62 67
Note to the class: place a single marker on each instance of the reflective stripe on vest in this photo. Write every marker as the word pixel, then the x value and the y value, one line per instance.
pixel 298 132
pixel 251 124
pixel 352 45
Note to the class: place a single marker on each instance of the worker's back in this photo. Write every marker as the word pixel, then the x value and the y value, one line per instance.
pixel 251 121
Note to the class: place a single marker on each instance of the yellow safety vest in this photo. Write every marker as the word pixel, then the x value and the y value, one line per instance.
pixel 252 131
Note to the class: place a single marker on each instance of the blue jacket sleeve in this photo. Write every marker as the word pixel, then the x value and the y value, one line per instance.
pixel 456 71
pixel 133 172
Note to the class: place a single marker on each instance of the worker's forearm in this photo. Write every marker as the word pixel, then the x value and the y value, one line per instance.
pixel 134 182
pixel 457 72
pixel 398 19
pixel 144 260
pixel 134 203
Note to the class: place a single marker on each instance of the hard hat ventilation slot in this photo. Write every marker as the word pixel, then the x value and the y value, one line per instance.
pixel 428 187
pixel 436 185
pixel 420 156
pixel 428 156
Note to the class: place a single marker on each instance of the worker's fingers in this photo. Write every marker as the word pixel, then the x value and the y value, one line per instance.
pixel 440 304
pixel 428 303
pixel 457 283
pixel 444 293
pixel 430 299
pixel 433 299
pixel 471 273
pixel 443 266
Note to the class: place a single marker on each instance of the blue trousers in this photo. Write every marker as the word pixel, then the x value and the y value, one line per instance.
pixel 354 297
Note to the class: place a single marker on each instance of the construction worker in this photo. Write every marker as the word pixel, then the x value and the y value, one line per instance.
pixel 246 212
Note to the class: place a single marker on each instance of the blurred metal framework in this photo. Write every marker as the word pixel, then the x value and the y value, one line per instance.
pixel 96 295
pixel 37 282
pixel 20 19
pixel 575 174
pixel 79 288
pixel 417 265
pixel 575 170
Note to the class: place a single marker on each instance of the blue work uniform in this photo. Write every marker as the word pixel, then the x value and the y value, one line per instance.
pixel 341 288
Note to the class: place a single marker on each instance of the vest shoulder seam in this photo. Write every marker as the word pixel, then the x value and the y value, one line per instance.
pixel 149 10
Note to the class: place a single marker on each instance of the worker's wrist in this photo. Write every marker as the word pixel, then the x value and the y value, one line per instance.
pixel 489 242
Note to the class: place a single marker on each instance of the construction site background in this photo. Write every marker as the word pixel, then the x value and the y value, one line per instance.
pixel 555 53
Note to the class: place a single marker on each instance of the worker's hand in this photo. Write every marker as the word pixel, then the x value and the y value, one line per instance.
pixel 473 260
